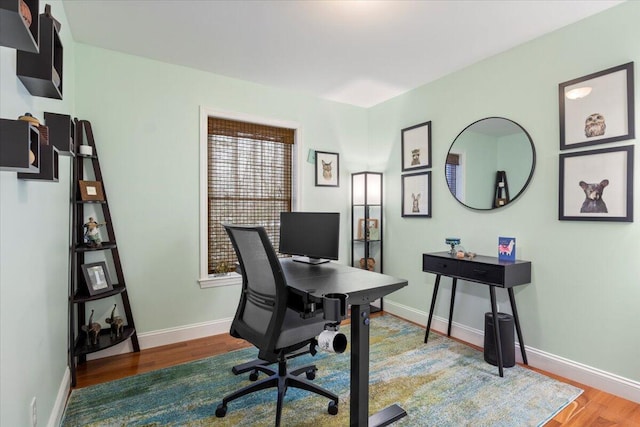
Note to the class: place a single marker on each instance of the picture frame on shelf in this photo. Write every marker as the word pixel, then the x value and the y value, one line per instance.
pixel 416 147
pixel 91 191
pixel 368 229
pixel 327 169
pixel 597 185
pixel 597 108
pixel 416 195
pixel 97 278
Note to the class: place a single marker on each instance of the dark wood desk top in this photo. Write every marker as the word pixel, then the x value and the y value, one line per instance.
pixel 314 281
pixel 480 269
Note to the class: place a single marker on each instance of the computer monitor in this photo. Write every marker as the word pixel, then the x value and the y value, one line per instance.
pixel 312 237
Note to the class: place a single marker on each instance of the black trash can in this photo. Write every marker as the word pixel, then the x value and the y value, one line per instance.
pixel 507 341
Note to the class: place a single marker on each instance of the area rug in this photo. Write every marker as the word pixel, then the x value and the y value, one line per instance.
pixel 442 383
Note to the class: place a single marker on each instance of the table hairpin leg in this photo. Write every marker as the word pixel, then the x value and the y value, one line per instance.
pixel 496 329
pixel 453 299
pixel 514 310
pixel 433 305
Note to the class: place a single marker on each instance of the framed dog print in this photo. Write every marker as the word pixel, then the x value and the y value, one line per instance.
pixel 416 147
pixel 597 185
pixel 416 195
pixel 327 169
pixel 597 108
pixel 97 278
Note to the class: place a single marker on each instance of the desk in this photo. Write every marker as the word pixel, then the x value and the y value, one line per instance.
pixel 487 271
pixel 308 283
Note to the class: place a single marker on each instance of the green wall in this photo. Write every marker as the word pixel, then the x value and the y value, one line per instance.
pixel 34 254
pixel 582 304
pixel 146 120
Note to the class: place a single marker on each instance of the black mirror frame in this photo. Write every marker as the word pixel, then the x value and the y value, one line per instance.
pixel 526 184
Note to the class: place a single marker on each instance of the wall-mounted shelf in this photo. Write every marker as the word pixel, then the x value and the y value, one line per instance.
pixel 19 141
pixel 15 32
pixel 61 132
pixel 41 73
pixel 48 165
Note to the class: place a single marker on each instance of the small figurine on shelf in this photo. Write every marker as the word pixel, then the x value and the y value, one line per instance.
pixel 93 331
pixel 92 234
pixel 370 264
pixel 116 322
pixel 453 242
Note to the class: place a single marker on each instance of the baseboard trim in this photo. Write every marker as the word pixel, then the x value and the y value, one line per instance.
pixel 167 336
pixel 611 383
pixel 55 418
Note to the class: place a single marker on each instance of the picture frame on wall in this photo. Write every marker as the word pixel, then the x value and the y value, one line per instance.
pixel 416 147
pixel 597 185
pixel 97 278
pixel 91 191
pixel 327 169
pixel 416 195
pixel 597 108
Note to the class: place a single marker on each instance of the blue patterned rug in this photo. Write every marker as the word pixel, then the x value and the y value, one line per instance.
pixel 443 383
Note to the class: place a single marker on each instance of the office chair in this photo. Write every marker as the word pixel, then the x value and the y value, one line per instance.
pixel 264 320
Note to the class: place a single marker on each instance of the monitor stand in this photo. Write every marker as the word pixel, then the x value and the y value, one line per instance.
pixel 307 260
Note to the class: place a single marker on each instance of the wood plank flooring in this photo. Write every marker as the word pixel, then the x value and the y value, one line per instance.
pixel 592 408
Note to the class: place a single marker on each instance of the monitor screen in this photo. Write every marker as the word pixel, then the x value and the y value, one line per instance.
pixel 313 235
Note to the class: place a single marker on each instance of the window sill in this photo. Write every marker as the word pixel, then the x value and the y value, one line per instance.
pixel 214 281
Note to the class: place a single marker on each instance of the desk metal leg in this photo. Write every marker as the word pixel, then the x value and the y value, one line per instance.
pixel 359 393
pixel 496 329
pixel 433 304
pixel 453 299
pixel 514 310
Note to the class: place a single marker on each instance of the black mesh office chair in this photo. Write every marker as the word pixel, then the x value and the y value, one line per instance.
pixel 263 319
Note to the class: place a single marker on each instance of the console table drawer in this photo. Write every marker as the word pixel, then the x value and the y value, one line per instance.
pixel 484 273
pixel 439 265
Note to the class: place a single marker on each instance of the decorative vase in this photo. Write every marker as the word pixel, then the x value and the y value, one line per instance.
pixel 26 13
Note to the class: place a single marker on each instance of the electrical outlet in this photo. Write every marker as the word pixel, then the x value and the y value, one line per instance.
pixel 34 412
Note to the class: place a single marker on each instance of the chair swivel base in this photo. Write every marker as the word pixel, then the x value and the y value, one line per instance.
pixel 281 380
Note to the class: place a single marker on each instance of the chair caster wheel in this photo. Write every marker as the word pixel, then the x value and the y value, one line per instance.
pixel 311 375
pixel 221 411
pixel 333 408
pixel 253 376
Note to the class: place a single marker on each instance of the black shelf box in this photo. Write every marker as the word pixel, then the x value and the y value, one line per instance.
pixel 61 132
pixel 48 165
pixel 36 70
pixel 15 33
pixel 17 139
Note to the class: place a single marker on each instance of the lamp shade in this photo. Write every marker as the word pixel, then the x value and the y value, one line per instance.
pixel 367 188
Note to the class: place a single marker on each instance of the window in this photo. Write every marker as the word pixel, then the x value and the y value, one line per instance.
pixel 249 181
pixel 452 173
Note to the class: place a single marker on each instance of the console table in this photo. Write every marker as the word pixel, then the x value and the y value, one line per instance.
pixel 484 270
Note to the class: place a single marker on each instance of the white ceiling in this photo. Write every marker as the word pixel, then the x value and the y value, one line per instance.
pixel 357 52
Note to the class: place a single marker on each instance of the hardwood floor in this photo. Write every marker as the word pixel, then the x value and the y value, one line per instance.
pixel 592 408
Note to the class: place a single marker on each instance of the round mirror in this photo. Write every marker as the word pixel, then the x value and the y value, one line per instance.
pixel 490 163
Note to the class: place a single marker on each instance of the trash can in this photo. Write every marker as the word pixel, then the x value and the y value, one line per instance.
pixel 507 341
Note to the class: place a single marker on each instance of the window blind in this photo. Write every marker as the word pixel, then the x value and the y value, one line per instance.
pixel 451 171
pixel 249 182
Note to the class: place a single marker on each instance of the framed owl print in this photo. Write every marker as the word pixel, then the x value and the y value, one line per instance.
pixel 597 108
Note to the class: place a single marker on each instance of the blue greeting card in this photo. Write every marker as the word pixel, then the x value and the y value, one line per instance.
pixel 507 248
